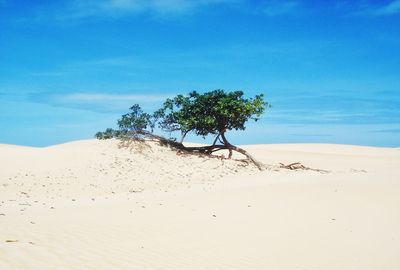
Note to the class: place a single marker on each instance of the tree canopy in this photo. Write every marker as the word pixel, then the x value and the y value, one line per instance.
pixel 210 113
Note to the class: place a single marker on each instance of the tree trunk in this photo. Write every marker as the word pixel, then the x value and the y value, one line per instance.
pixel 216 139
pixel 184 135
pixel 240 150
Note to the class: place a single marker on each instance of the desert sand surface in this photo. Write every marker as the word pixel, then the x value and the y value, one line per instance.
pixel 99 205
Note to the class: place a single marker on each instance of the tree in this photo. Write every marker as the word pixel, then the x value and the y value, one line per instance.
pixel 135 121
pixel 108 134
pixel 212 113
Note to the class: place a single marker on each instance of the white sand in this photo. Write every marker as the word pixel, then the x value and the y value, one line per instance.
pixel 92 205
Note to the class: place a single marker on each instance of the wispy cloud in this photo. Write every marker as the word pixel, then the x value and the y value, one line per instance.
pixel 391 8
pixel 276 8
pixel 120 8
pixel 99 101
pixel 392 130
pixel 74 67
pixel 320 115
pixel 109 98
pixel 310 135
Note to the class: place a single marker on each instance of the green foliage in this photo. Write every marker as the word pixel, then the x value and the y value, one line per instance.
pixel 213 112
pixel 176 115
pixel 108 134
pixel 136 120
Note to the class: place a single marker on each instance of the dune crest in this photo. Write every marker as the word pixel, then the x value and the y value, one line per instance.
pixel 101 168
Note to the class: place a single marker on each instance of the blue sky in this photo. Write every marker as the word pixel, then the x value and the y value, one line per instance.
pixel 329 68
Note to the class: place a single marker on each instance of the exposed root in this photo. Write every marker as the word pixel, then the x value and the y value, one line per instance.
pixel 142 136
pixel 139 144
pixel 298 166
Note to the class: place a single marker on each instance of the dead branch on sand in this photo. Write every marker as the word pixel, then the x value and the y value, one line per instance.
pixel 298 166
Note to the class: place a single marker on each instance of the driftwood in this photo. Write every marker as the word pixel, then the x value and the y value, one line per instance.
pixel 293 166
pixel 299 166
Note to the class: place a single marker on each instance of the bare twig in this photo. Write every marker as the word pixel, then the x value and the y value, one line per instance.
pixel 299 166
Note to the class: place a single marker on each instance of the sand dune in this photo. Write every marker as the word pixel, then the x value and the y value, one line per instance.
pixel 96 205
